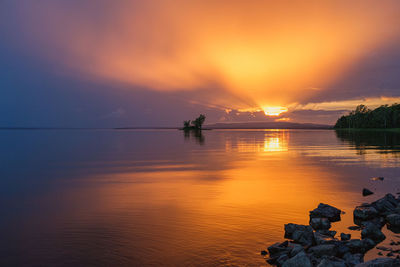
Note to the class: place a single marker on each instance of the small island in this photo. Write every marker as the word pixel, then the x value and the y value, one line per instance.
pixel 195 125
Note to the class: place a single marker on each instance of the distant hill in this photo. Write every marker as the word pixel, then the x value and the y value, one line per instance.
pixel 267 125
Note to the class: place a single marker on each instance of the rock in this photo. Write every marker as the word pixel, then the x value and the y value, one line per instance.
pixel 345 237
pixel 301 234
pixel 281 259
pixel 323 250
pixel 372 232
pixel 390 254
pixel 380 262
pixel 326 211
pixel 360 246
pixel 377 221
pixel 300 260
pixel 263 253
pixel 393 220
pixel 320 223
pixel 332 262
pixel 321 238
pixel 354 228
pixel 386 204
pixel 353 259
pixel 277 249
pixel 377 178
pixel 366 192
pixel 327 233
pixel 296 249
pixel 364 213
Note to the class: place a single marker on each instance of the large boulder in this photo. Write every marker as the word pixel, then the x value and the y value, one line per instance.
pixel 360 246
pixel 363 213
pixel 326 211
pixel 332 262
pixel 372 232
pixel 386 204
pixel 380 262
pixel 320 223
pixel 301 234
pixel 393 220
pixel 300 260
pixel 277 249
pixel 353 259
pixel 323 250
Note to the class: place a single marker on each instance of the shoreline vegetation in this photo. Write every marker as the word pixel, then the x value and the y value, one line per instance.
pixel 383 117
pixel 316 245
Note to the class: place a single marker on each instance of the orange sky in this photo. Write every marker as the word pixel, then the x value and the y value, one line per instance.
pixel 258 53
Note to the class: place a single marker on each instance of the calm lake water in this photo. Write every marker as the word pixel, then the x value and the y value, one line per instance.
pixel 160 198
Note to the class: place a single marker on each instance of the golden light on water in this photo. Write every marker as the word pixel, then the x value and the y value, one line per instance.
pixel 274 111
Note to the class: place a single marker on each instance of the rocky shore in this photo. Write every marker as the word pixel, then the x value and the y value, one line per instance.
pixel 316 245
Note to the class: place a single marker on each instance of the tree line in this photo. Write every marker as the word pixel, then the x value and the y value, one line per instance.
pixel 384 116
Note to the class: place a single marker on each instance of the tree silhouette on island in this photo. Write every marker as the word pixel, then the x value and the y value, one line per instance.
pixel 195 124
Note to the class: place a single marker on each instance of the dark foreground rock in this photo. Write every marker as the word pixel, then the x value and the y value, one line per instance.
pixel 316 245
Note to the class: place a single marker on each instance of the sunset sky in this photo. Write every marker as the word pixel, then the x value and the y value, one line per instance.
pixel 84 63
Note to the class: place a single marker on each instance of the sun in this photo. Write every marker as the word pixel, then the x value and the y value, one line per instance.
pixel 274 111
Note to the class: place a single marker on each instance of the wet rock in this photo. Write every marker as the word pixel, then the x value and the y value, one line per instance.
pixel 378 222
pixel 393 220
pixel 386 204
pixel 321 238
pixel 363 213
pixel 326 211
pixel 301 234
pixel 380 262
pixel 332 262
pixel 296 249
pixel 353 259
pixel 277 249
pixel 327 233
pixel 281 259
pixel 383 248
pixel 360 246
pixel 345 237
pixel 300 260
pixel 366 192
pixel 372 232
pixel 390 254
pixel 323 250
pixel 320 223
pixel 263 252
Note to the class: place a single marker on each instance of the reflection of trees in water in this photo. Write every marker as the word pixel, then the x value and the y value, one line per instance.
pixel 386 141
pixel 194 134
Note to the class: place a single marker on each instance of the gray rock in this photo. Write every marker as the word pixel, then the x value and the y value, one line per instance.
pixel 332 262
pixel 393 220
pixel 386 204
pixel 360 246
pixel 372 232
pixel 278 249
pixel 353 259
pixel 345 237
pixel 326 211
pixel 321 238
pixel 301 234
pixel 281 259
pixel 296 249
pixel 300 260
pixel 366 192
pixel 380 262
pixel 323 250
pixel 364 213
pixel 320 223
pixel 327 232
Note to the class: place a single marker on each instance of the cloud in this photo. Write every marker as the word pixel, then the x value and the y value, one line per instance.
pixel 260 53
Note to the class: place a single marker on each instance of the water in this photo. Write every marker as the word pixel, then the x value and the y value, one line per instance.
pixel 160 198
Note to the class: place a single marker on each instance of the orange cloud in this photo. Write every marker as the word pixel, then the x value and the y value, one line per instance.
pixel 267 53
